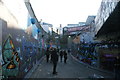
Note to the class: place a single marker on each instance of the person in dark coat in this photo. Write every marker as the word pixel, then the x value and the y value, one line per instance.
pixel 47 54
pixel 65 56
pixel 117 67
pixel 54 58
pixel 61 55
pixel 57 50
pixel 68 50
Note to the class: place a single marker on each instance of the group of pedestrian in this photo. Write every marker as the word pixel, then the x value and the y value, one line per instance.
pixel 54 54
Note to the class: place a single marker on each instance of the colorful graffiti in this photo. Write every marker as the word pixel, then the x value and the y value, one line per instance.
pixel 20 51
pixel 10 58
pixel 30 50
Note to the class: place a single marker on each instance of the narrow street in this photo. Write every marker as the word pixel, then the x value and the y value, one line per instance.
pixel 84 32
pixel 72 69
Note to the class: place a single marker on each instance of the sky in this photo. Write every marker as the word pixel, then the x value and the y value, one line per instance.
pixel 64 12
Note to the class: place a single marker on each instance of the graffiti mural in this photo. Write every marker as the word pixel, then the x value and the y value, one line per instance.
pixel 21 49
pixel 10 58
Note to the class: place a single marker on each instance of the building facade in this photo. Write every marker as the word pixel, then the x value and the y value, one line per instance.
pixel 90 20
pixel 105 10
pixel 107 31
pixel 47 27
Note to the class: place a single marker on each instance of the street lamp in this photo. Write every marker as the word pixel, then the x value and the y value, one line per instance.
pixel 69 41
pixel 57 37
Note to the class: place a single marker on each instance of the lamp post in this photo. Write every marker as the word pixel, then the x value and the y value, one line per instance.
pixel 57 37
pixel 69 41
pixel 57 40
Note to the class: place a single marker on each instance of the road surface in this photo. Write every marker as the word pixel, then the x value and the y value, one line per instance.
pixel 72 69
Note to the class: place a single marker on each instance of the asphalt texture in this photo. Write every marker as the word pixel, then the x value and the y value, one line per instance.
pixel 71 69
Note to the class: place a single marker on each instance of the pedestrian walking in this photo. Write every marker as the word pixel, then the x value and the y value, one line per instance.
pixel 58 50
pixel 65 56
pixel 68 50
pixel 54 58
pixel 47 53
pixel 61 55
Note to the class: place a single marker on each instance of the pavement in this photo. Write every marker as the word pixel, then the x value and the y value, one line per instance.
pixel 0 72
pixel 72 70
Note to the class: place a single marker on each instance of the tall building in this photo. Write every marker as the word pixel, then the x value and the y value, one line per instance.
pixel 90 19
pixel 107 31
pixel 82 23
pixel 107 17
pixel 46 26
pixel 72 25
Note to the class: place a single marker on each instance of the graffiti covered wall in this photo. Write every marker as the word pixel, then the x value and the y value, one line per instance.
pixel 20 51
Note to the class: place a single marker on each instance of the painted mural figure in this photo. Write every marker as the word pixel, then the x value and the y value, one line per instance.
pixel 10 58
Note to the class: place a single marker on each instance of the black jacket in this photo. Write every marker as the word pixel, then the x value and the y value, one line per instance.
pixel 54 56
